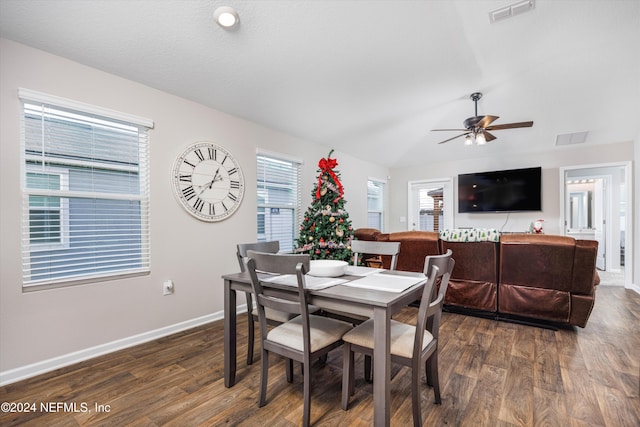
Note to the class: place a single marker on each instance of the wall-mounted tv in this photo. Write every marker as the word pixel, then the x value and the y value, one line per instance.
pixel 500 191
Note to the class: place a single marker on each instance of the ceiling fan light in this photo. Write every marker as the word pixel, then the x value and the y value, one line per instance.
pixel 480 139
pixel 468 140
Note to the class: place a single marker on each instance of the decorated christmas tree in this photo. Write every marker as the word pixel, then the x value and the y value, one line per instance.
pixel 326 230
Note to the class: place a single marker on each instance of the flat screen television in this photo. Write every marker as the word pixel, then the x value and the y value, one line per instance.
pixel 511 190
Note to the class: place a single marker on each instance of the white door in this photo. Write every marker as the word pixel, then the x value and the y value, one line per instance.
pixel 600 221
pixel 431 205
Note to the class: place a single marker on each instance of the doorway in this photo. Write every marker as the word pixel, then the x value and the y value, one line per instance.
pixel 596 206
pixel 430 205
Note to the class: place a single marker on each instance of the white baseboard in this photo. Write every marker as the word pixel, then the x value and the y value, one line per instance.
pixel 28 371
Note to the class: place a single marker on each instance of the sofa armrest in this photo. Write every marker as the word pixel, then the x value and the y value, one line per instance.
pixel 585 275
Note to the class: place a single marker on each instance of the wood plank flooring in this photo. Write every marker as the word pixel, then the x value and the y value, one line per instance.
pixel 491 374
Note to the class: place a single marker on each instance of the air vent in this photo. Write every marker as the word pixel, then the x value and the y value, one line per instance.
pixel 511 10
pixel 571 138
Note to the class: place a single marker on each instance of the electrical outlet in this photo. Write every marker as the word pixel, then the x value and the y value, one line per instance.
pixel 167 287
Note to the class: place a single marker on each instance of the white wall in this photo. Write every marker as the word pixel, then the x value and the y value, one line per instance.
pixel 45 328
pixel 550 163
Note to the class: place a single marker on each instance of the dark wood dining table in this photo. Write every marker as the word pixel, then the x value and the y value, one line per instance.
pixel 377 304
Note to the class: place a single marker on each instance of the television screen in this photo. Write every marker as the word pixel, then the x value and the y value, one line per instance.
pixel 500 191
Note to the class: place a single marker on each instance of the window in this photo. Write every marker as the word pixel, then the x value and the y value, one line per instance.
pixel 85 192
pixel 375 203
pixel 278 199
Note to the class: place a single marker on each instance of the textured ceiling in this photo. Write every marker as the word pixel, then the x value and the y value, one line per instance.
pixel 370 78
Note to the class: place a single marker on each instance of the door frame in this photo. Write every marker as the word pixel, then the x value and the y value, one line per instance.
pixel 628 220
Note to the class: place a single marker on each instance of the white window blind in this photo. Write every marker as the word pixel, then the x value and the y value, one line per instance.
pixel 279 198
pixel 375 203
pixel 85 213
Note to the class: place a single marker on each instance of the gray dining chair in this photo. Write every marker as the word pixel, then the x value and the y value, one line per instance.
pixel 274 317
pixel 303 338
pixel 411 345
pixel 361 247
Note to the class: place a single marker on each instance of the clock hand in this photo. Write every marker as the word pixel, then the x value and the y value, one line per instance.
pixel 210 184
pixel 215 176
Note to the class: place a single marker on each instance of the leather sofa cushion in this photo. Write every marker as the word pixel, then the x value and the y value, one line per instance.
pixel 537 303
pixel 537 261
pixel 414 247
pixel 474 261
pixel 472 294
pixel 474 279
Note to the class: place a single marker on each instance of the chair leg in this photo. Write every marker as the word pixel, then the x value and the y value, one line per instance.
pixel 347 375
pixel 432 376
pixel 367 368
pixel 264 378
pixel 415 395
pixel 251 331
pixel 288 368
pixel 306 372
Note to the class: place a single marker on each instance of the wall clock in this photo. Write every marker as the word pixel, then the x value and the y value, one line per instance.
pixel 208 181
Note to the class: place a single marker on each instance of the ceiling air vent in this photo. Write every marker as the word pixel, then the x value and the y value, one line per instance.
pixel 511 10
pixel 571 138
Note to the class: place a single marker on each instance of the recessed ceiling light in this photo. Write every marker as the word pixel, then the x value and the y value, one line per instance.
pixel 227 17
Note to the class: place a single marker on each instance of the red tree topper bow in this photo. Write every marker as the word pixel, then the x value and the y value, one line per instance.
pixel 326 166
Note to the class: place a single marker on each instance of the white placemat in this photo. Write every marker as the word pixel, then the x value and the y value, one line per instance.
pixel 385 282
pixel 312 282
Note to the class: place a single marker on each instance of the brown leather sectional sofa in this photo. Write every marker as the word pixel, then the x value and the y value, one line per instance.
pixel 544 278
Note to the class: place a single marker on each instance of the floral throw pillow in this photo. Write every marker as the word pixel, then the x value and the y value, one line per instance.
pixel 470 235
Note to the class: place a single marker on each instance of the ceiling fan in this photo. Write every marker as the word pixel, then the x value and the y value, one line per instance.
pixel 477 127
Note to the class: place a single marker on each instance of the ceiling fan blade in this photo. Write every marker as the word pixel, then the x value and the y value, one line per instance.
pixel 487 136
pixel 449 130
pixel 486 121
pixel 457 136
pixel 510 126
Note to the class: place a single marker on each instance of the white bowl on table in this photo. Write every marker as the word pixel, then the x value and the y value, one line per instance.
pixel 327 268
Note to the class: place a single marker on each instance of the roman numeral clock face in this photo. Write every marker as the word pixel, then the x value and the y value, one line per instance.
pixel 208 181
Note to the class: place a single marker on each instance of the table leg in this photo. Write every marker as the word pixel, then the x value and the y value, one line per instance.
pixel 229 335
pixel 381 367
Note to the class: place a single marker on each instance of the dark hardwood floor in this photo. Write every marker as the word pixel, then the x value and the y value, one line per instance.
pixel 492 374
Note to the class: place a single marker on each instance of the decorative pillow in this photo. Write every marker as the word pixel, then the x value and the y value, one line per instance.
pixel 470 235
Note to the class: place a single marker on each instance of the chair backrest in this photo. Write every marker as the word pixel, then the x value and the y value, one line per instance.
pixel 294 303
pixel 242 248
pixel 360 247
pixel 423 312
pixel 430 310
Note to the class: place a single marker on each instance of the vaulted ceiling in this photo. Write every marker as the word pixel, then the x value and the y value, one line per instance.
pixel 370 78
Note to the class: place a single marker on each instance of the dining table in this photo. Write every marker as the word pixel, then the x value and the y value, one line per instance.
pixel 363 291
